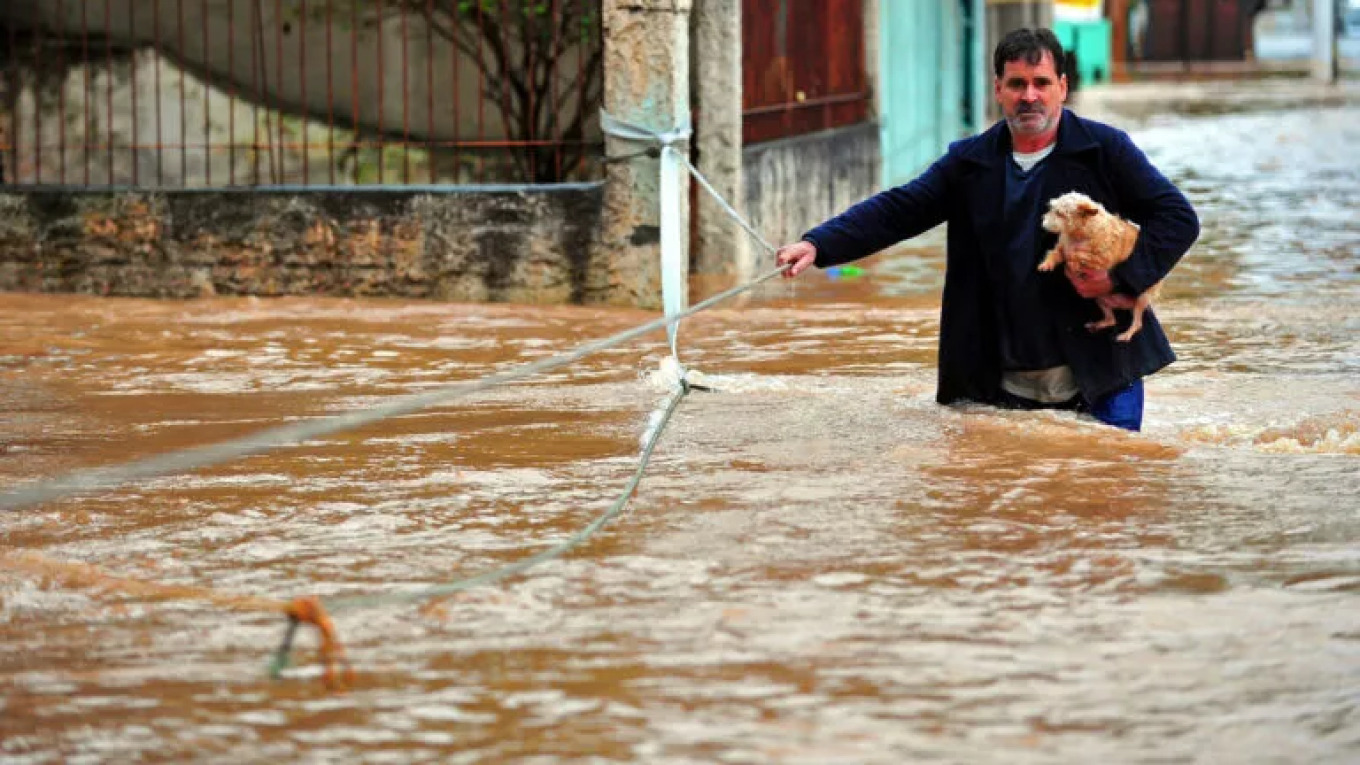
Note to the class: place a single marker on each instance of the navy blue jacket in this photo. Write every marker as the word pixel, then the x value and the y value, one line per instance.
pixel 966 189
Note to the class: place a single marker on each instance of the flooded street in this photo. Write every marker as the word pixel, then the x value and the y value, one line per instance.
pixel 821 564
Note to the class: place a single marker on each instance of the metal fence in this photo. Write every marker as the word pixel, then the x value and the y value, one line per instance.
pixel 803 67
pixel 221 93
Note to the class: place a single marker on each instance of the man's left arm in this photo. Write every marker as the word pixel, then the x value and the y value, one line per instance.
pixel 1167 223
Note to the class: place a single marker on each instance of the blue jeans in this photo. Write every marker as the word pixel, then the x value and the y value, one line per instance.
pixel 1122 409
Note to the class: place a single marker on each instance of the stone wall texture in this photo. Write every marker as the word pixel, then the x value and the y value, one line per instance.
pixel 514 245
pixel 794 184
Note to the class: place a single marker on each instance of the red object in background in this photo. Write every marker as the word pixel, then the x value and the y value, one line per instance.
pixel 802 67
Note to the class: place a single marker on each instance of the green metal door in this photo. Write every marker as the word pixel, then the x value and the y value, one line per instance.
pixel 923 97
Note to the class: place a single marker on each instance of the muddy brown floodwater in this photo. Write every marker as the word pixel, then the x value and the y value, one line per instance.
pixel 821 565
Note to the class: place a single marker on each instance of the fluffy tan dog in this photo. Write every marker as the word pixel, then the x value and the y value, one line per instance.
pixel 1108 241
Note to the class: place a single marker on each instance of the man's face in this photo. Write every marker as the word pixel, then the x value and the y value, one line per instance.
pixel 1031 96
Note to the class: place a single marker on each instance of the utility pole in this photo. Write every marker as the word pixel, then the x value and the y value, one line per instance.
pixel 721 255
pixel 646 71
pixel 1325 64
pixel 1117 11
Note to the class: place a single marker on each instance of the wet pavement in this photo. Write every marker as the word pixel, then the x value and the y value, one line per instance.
pixel 821 565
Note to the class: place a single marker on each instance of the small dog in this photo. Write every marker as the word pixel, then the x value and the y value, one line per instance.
pixel 1108 241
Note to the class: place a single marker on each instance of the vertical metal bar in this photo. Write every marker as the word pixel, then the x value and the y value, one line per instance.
pixel 530 119
pixel 382 136
pixel 457 98
pixel 405 103
pixel 253 37
pixel 481 95
pixel 183 98
pixel 11 175
pixel 429 91
pixel 36 44
pixel 277 173
pixel 586 47
pixel 835 57
pixel 208 146
pixel 306 146
pixel 89 85
pixel 354 81
pixel 556 103
pixel 791 84
pixel 1183 38
pixel 61 99
pixel 330 91
pixel 156 79
pixel 108 91
pixel 231 93
pixel 136 135
pixel 1210 21
pixel 505 90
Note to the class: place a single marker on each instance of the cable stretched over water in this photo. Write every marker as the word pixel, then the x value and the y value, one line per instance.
pixel 495 575
pixel 311 610
pixel 316 611
pixel 85 481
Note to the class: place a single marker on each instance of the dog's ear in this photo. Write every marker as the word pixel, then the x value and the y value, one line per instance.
pixel 1087 208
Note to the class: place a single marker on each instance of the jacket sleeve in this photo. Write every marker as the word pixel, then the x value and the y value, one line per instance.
pixel 1167 223
pixel 885 219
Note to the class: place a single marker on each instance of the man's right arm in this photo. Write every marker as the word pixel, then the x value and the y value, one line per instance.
pixel 878 222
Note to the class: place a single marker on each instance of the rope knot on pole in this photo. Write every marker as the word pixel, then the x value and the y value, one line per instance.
pixel 673 159
pixel 611 125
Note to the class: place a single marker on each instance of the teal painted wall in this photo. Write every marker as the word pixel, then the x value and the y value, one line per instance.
pixel 927 81
pixel 1090 41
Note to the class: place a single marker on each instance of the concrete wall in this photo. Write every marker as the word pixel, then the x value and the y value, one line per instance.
pixel 516 245
pixel 794 184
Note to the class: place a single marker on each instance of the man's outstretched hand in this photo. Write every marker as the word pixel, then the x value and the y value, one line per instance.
pixel 800 254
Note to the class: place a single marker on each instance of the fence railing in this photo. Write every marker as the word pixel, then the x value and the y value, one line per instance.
pixel 214 93
pixel 803 67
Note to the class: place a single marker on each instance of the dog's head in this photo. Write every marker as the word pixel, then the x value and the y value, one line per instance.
pixel 1070 212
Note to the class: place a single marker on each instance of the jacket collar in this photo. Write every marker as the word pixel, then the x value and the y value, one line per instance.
pixel 994 146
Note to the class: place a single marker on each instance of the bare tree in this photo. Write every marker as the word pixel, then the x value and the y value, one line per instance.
pixel 541 62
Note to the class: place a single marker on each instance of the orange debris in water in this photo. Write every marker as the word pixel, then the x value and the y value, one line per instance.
pixel 309 611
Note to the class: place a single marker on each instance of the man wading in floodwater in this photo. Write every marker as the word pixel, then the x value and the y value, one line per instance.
pixel 1010 335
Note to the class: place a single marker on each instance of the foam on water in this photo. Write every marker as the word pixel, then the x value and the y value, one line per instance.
pixel 1337 433
pixel 668 373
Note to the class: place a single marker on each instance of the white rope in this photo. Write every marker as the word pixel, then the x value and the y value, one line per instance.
pixel 85 481
pixel 618 128
pixel 728 207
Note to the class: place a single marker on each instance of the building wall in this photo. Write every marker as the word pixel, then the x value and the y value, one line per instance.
pixel 923 101
pixel 796 183
pixel 523 245
pixel 528 245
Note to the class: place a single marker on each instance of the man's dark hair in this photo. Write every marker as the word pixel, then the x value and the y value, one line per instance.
pixel 1027 44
